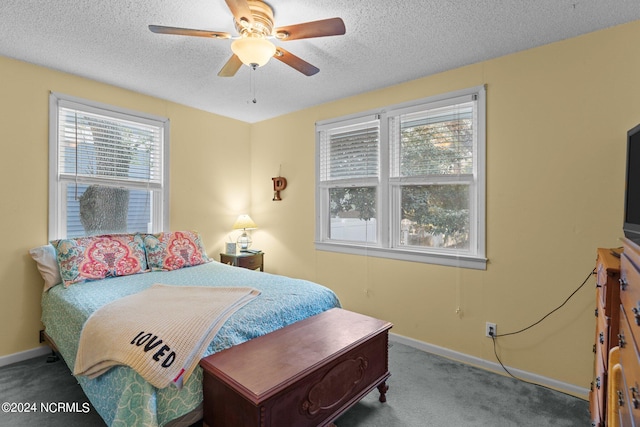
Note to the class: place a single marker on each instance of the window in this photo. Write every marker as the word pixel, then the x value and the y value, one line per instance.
pixel 406 182
pixel 108 169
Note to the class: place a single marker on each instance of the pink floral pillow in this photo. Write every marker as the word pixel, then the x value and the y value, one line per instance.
pixel 171 251
pixel 97 257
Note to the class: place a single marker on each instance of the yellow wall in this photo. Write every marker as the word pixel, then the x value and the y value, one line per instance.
pixel 556 123
pixel 207 190
pixel 557 118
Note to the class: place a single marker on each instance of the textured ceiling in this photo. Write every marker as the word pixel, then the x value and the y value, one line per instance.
pixel 386 42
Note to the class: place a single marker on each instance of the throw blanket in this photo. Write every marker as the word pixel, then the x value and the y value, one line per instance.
pixel 160 332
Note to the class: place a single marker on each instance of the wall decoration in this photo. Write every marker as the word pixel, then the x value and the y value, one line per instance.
pixel 279 184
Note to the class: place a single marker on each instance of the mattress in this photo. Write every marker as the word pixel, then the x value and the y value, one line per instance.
pixel 121 396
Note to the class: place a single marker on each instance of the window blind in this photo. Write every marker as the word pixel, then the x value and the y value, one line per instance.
pixel 350 153
pixel 123 152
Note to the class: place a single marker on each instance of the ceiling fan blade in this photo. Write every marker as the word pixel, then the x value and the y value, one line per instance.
pixel 322 28
pixel 188 32
pixel 240 10
pixel 231 67
pixel 294 62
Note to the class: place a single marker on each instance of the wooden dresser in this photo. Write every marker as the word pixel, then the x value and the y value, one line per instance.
pixel 624 385
pixel 607 313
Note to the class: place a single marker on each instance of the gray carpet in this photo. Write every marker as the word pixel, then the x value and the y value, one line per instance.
pixel 424 390
pixel 429 390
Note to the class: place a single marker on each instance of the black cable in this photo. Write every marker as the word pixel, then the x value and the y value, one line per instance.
pixel 493 337
pixel 505 368
pixel 552 311
pixel 520 379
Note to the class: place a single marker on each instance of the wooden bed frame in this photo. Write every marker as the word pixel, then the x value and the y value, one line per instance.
pixel 44 338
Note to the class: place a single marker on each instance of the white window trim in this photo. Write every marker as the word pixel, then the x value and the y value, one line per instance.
pixel 57 227
pixel 386 246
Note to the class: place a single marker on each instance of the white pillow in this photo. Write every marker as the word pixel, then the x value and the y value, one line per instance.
pixel 45 258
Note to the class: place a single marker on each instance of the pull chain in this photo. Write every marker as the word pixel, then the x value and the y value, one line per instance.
pixel 252 83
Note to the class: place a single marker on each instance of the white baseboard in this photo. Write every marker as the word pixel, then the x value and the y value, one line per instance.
pixel 24 355
pixel 419 345
pixel 571 389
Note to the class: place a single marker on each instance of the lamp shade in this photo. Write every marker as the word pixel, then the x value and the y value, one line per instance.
pixel 244 222
pixel 253 50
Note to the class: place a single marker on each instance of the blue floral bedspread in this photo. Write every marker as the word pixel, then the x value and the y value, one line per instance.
pixel 121 396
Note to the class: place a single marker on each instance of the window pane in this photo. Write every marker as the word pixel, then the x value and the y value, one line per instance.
pixel 353 214
pixel 435 216
pixel 437 142
pixel 96 209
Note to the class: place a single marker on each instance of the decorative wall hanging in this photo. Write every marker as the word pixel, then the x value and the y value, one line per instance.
pixel 279 184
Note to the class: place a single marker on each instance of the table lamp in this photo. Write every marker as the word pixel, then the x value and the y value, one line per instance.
pixel 245 223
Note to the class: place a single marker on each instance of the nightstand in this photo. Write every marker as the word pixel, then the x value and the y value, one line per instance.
pixel 244 260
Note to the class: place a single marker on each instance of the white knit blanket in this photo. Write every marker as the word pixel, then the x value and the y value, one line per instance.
pixel 160 332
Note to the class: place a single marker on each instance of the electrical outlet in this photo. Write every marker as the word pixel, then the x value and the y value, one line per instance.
pixel 491 330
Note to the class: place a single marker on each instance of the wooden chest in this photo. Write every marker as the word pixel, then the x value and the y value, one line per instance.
pixel 305 374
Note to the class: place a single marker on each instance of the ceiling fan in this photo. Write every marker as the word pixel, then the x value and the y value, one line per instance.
pixel 254 22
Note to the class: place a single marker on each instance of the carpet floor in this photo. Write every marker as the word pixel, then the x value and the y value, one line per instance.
pixel 424 390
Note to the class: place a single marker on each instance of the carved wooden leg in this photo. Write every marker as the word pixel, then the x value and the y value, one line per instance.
pixel 382 388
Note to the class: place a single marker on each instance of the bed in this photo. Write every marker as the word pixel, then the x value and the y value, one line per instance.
pixel 121 396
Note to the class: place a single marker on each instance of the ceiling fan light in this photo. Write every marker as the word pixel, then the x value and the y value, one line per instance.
pixel 253 50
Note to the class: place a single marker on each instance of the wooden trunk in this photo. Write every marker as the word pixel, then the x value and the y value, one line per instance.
pixel 305 374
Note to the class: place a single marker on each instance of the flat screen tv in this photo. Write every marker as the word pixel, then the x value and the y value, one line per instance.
pixel 631 226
